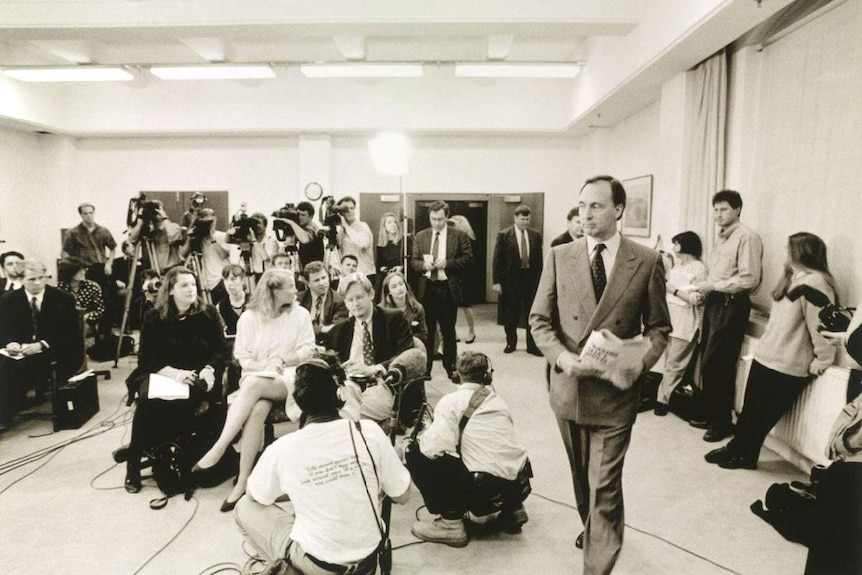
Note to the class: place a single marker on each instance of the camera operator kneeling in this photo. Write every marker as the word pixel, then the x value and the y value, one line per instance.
pixel 469 460
pixel 333 470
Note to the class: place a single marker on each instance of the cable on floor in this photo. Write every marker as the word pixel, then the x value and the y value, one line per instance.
pixel 648 533
pixel 172 539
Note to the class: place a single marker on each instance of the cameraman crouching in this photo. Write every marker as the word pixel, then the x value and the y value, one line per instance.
pixel 334 471
pixel 469 460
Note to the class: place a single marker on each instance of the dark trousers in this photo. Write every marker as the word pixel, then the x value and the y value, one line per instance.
pixel 518 297
pixel 769 394
pixel 157 421
pixel 724 322
pixel 440 307
pixel 596 456
pixel 16 377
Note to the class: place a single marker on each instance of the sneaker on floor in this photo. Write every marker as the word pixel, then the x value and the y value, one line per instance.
pixel 451 532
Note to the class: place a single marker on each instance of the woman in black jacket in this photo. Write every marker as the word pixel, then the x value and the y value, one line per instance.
pixel 182 339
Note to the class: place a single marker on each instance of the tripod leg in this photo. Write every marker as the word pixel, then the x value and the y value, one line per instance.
pixel 127 304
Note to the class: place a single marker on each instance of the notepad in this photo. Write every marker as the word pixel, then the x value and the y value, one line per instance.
pixel 162 387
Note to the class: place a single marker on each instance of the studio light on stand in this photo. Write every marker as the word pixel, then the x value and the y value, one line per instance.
pixel 390 154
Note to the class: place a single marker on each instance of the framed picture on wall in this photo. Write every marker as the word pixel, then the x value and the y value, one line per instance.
pixel 638 214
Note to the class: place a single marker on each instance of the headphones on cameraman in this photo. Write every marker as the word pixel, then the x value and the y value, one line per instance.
pixel 488 377
pixel 322 364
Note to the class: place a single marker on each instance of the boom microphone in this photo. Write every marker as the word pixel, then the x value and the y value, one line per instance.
pixel 406 367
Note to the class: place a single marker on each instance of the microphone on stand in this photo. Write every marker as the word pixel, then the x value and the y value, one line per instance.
pixel 406 367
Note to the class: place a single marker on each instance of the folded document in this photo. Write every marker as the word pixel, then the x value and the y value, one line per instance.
pixel 162 387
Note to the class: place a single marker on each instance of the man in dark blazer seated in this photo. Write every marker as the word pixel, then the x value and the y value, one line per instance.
pixel 517 269
pixel 323 303
pixel 11 262
pixel 573 231
pixel 602 281
pixel 366 343
pixel 441 253
pixel 38 324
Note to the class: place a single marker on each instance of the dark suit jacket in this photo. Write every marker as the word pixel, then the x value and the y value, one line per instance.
pixel 59 327
pixel 507 257
pixel 459 256
pixel 565 312
pixel 3 282
pixel 333 310
pixel 563 238
pixel 389 330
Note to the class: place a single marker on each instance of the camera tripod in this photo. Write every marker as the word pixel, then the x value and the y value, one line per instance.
pixel 195 263
pixel 332 260
pixel 130 285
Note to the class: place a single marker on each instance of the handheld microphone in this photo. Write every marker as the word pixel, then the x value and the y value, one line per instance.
pixel 406 367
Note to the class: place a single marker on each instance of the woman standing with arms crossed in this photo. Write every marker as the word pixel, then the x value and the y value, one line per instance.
pixel 790 351
pixel 273 336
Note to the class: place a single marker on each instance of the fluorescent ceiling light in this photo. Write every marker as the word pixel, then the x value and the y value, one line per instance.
pixel 213 72
pixel 361 70
pixel 70 74
pixel 494 70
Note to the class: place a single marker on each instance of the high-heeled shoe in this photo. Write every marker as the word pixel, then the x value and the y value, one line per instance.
pixel 470 339
pixel 228 505
pixel 133 478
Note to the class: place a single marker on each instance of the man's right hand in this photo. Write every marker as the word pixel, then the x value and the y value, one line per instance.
pixel 571 366
pixel 497 288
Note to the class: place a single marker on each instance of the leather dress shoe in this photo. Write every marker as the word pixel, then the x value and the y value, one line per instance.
pixel 738 462
pixel 660 409
pixel 509 349
pixel 121 455
pixel 133 479
pixel 714 434
pixel 579 542
pixel 534 351
pixel 718 455
pixel 454 377
pixel 699 423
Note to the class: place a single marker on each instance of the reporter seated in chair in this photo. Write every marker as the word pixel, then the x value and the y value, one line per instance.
pixel 87 293
pixel 397 295
pixel 475 465
pixel 366 343
pixel 323 303
pixel 273 336
pixel 182 339
pixel 40 324
pixel 333 525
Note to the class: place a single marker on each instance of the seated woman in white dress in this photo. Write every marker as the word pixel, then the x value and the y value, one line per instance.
pixel 273 336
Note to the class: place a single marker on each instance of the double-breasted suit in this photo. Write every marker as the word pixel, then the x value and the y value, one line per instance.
pixel 441 297
pixel 518 283
pixel 595 417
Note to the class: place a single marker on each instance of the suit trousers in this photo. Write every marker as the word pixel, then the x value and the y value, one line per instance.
pixel 16 376
pixel 596 455
pixel 518 297
pixel 769 394
pixel 440 307
pixel 724 322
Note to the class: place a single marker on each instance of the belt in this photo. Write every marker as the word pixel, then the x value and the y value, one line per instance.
pixel 343 569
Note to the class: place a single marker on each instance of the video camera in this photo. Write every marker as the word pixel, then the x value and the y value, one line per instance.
pixel 282 229
pixel 198 199
pixel 331 214
pixel 145 210
pixel 201 228
pixel 243 227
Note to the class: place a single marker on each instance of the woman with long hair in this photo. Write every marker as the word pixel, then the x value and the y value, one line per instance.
pixel 273 336
pixel 686 314
pixel 396 294
pixel 461 223
pixel 789 353
pixel 181 339
pixel 390 248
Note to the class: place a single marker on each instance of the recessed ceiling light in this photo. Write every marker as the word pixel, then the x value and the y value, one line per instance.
pixel 70 74
pixel 495 70
pixel 362 70
pixel 213 72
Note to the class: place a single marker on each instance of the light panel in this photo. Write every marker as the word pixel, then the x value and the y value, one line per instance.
pixel 390 154
pixel 70 74
pixel 498 70
pixel 362 70
pixel 213 72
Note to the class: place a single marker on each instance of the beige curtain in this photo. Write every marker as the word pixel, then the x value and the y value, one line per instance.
pixel 703 166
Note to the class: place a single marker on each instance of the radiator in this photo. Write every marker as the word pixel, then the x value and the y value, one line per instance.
pixel 801 435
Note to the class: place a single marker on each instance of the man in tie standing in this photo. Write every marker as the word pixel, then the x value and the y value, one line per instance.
pixel 441 254
pixel 517 269
pixel 38 326
pixel 323 303
pixel 602 281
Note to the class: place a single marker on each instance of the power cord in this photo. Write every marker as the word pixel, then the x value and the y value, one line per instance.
pixel 172 539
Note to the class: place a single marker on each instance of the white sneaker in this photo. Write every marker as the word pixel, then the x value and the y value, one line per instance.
pixel 438 530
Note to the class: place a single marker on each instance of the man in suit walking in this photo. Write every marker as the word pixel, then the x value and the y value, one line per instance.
pixel 517 269
pixel 367 342
pixel 602 281
pixel 323 303
pixel 440 255
pixel 38 326
pixel 573 231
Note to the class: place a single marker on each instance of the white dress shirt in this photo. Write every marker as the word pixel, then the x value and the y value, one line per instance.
pixel 441 253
